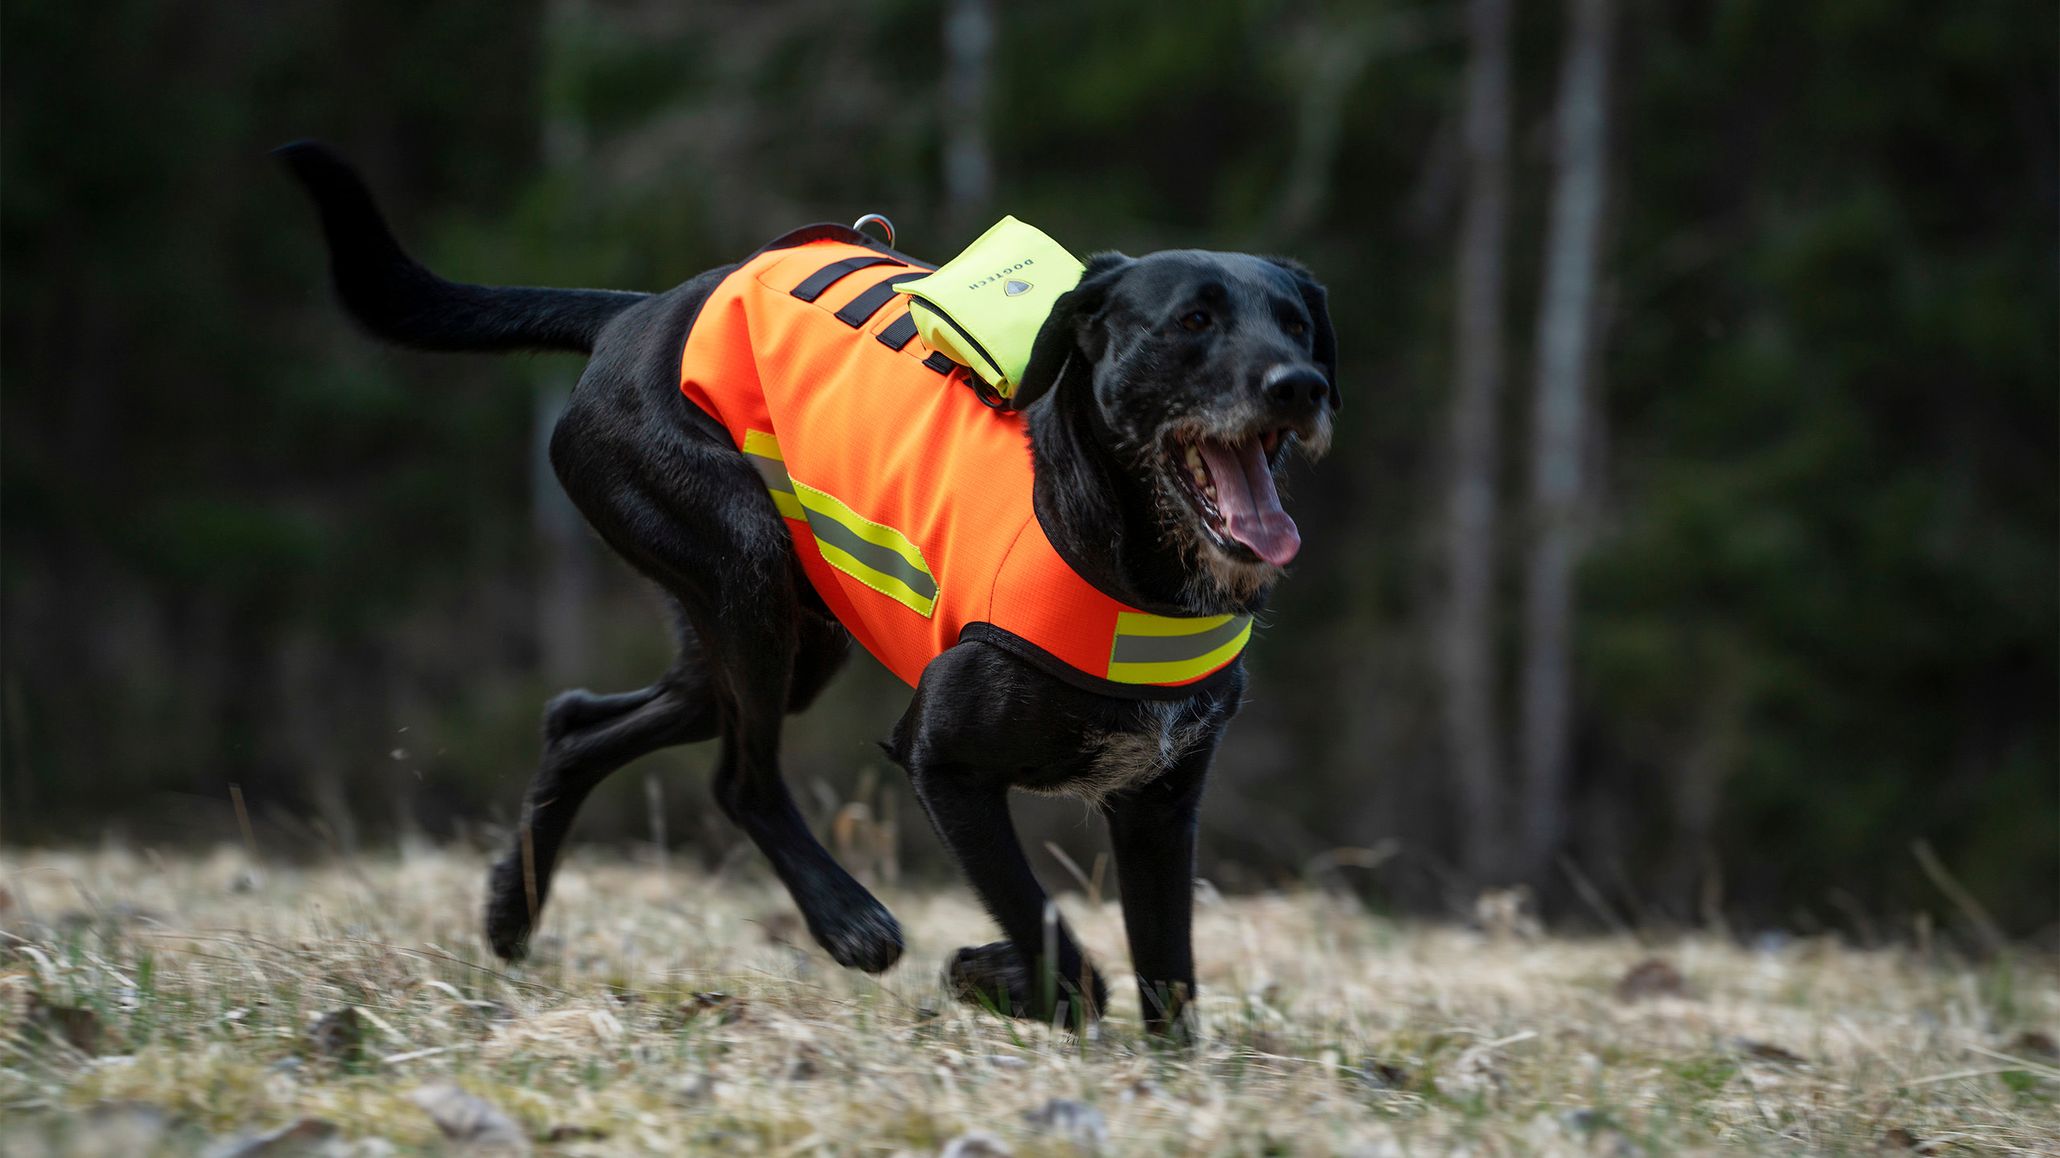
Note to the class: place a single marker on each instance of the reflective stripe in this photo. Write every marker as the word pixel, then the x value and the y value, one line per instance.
pixel 856 312
pixel 1158 649
pixel 814 284
pixel 764 451
pixel 878 556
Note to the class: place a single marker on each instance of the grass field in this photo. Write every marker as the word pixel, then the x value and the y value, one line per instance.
pixel 174 1004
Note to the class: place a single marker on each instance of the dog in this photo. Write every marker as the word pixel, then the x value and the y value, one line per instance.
pixel 1162 395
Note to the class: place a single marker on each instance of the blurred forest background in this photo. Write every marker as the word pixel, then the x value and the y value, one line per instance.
pixel 1691 548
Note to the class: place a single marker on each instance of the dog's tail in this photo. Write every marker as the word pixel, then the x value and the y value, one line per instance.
pixel 393 296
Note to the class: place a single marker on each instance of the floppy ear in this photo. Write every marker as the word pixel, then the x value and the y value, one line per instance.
pixel 1059 339
pixel 1325 338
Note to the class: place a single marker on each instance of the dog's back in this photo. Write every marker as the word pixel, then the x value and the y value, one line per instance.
pixel 909 497
pixel 911 490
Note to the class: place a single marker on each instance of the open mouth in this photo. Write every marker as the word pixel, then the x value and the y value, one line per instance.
pixel 1230 486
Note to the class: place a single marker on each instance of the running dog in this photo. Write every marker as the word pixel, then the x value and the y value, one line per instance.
pixel 1070 592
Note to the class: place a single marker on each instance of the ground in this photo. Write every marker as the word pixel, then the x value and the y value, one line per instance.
pixel 173 1003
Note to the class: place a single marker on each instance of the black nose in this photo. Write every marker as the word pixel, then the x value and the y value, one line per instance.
pixel 1295 389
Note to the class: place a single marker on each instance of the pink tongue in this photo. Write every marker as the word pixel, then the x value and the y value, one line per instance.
pixel 1250 505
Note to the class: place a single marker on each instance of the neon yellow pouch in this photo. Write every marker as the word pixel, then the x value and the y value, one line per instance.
pixel 983 308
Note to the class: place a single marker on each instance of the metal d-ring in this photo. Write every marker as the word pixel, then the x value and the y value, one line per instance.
pixel 884 224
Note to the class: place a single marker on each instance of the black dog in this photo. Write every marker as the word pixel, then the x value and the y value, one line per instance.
pixel 1147 379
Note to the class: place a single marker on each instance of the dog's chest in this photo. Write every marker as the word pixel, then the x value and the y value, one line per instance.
pixel 1162 732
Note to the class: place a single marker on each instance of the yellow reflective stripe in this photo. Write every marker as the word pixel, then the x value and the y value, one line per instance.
pixel 765 449
pixel 873 553
pixel 1141 623
pixel 1161 631
pixel 879 581
pixel 878 534
pixel 790 507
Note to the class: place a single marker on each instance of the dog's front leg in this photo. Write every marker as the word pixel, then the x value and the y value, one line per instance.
pixel 1039 973
pixel 1152 831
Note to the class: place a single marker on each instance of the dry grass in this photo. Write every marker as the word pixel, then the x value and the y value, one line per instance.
pixel 191 985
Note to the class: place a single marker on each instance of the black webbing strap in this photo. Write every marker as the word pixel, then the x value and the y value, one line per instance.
pixel 898 331
pixel 940 363
pixel 867 304
pixel 814 284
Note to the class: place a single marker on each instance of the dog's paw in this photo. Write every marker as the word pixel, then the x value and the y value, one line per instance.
pixel 860 934
pixel 990 976
pixel 508 917
pixel 995 977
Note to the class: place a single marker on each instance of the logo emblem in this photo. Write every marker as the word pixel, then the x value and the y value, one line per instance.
pixel 1012 287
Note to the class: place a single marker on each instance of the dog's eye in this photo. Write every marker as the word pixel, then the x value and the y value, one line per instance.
pixel 1194 321
pixel 1296 328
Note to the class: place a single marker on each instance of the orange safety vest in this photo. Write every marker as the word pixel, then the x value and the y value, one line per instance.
pixel 908 497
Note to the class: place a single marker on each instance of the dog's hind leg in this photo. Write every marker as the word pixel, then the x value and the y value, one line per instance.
pixel 695 516
pixel 588 736
pixel 585 739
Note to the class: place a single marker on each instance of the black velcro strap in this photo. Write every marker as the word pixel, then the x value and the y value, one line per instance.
pixel 868 303
pixel 898 331
pixel 813 286
pixel 940 363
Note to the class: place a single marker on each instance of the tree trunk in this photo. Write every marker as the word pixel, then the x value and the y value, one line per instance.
pixel 1566 329
pixel 565 581
pixel 968 162
pixel 1468 632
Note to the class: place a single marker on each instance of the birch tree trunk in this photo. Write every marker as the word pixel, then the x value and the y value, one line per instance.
pixel 1467 635
pixel 1567 327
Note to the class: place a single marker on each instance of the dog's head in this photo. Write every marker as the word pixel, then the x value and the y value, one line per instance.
pixel 1201 371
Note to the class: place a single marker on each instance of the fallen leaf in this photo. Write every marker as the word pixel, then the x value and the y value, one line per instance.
pixel 478 1126
pixel 68 1025
pixel 338 1035
pixel 1652 977
pixel 976 1144
pixel 1076 1122
pixel 725 1008
pixel 1767 1051
pixel 2033 1043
